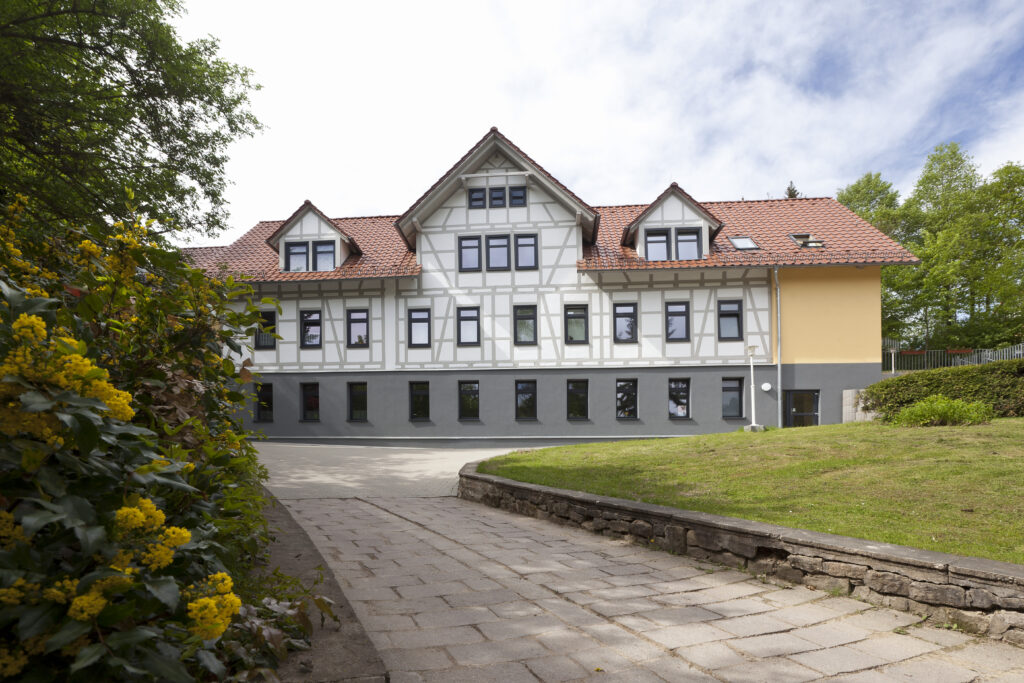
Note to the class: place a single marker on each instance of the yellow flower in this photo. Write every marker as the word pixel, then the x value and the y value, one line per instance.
pixel 154 517
pixel 12 661
pixel 129 518
pixel 29 328
pixel 62 591
pixel 122 560
pixel 220 582
pixel 10 533
pixel 89 250
pixel 157 556
pixel 211 616
pixel 113 583
pixel 175 536
pixel 188 467
pixel 85 607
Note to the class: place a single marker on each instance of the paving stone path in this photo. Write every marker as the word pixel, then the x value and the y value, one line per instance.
pixel 454 591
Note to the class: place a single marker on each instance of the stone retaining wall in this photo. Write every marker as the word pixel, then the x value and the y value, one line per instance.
pixel 976 595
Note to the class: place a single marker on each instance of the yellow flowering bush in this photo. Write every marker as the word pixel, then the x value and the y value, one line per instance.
pixel 212 605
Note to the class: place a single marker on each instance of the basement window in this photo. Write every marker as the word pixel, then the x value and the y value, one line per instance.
pixel 805 240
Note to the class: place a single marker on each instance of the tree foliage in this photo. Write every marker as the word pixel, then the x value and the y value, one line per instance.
pixel 102 95
pixel 791 191
pixel 968 232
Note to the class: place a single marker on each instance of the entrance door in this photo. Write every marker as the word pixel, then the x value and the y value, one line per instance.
pixel 802 408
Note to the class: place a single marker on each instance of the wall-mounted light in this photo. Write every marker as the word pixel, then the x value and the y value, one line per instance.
pixel 767 386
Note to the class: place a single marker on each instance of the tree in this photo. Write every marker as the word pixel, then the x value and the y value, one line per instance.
pixel 791 191
pixel 100 96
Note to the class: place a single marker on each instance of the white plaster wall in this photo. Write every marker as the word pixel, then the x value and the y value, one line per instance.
pixel 309 227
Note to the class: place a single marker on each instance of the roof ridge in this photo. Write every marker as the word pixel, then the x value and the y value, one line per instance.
pixel 777 199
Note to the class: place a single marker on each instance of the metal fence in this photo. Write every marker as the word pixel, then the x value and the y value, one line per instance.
pixel 895 359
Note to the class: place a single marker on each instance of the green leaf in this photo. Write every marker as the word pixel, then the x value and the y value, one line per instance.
pixel 88 656
pixel 35 402
pixel 91 537
pixel 34 521
pixel 86 433
pixel 78 509
pixel 68 633
pixel 165 589
pixel 211 663
pixel 37 619
pixel 130 637
pixel 166 668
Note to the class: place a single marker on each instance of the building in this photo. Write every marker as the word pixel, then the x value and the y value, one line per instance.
pixel 500 304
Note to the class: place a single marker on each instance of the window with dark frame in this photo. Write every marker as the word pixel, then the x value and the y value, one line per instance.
pixel 264 403
pixel 419 401
pixel 688 247
pixel 358 328
pixel 469 400
pixel 496 197
pixel 310 402
pixel 469 254
pixel 625 399
pixel 357 408
pixel 524 321
pixel 576 324
pixel 526 399
pixel 625 323
pixel 732 397
pixel 296 257
pixel 498 252
pixel 677 321
pixel 576 399
pixel 419 328
pixel 323 255
pixel 678 398
pixel 526 252
pixel 517 196
pixel 310 329
pixel 468 320
pixel 730 323
pixel 264 338
pixel 656 245
pixel 477 198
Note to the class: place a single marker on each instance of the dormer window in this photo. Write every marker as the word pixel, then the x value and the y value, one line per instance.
pixel 688 247
pixel 743 243
pixel 497 197
pixel 656 245
pixel 517 196
pixel 805 240
pixel 323 255
pixel 477 198
pixel 296 257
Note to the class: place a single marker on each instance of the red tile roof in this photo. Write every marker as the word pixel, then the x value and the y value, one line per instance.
pixel 848 240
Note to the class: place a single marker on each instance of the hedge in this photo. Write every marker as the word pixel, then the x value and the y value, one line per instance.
pixel 999 384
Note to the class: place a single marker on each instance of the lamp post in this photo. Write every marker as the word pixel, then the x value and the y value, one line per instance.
pixel 753 426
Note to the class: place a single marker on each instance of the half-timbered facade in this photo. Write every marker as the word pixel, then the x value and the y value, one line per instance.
pixel 502 305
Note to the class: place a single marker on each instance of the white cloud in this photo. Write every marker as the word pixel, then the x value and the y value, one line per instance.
pixel 366 104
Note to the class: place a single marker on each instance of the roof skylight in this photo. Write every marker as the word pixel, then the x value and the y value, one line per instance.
pixel 744 243
pixel 805 240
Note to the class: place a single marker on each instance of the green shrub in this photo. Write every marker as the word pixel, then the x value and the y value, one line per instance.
pixel 939 410
pixel 999 384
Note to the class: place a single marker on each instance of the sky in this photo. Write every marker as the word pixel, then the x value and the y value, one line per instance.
pixel 366 104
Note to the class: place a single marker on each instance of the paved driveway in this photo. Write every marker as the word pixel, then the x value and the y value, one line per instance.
pixel 455 591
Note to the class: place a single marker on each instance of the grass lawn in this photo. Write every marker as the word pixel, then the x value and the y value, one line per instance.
pixel 954 489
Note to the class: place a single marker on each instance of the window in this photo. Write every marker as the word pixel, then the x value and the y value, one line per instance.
pixel 358 320
pixel 732 397
pixel 576 399
pixel 526 252
pixel 525 321
pixel 517 196
pixel 469 400
pixel 296 257
pixel 469 254
pixel 526 399
pixel 264 403
pixel 743 243
pixel 310 402
pixel 625 399
pixel 576 324
pixel 656 246
pixel 677 321
pixel 730 327
pixel 357 402
pixel 419 327
pixel 323 255
pixel 477 198
pixel 497 197
pixel 469 326
pixel 688 246
pixel 497 252
pixel 265 335
pixel 419 401
pixel 678 398
pixel 625 323
pixel 805 240
pixel 309 322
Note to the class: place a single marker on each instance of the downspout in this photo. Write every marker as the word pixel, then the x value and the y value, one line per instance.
pixel 778 346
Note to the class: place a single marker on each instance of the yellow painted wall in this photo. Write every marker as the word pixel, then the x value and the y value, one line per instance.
pixel 830 314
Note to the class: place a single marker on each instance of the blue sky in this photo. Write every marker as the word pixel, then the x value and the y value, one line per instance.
pixel 366 104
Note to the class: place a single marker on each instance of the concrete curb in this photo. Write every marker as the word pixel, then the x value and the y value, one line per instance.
pixel 978 595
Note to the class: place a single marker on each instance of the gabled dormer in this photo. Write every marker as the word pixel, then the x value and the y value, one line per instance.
pixel 675 227
pixel 310 241
pixel 509 187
